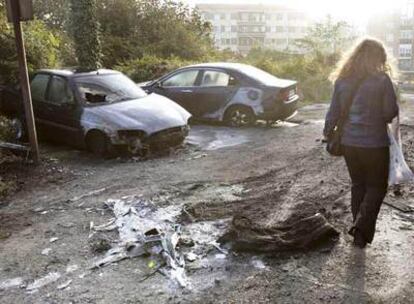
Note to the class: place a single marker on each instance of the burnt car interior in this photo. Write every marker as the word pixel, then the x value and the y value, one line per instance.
pixel 107 89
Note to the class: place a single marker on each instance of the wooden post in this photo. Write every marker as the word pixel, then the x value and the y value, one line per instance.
pixel 24 81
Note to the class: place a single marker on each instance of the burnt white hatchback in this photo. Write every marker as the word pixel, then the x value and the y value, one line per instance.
pixel 98 110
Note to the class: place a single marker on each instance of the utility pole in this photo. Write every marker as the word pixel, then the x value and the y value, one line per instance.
pixel 20 10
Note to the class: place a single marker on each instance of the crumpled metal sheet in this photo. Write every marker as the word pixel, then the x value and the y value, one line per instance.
pixel 144 230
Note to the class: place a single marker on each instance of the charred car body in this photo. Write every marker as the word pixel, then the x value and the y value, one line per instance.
pixel 235 93
pixel 97 110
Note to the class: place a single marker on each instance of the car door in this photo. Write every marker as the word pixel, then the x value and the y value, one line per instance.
pixel 60 112
pixel 38 86
pixel 216 88
pixel 179 87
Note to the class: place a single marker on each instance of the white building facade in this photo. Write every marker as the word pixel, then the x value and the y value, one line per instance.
pixel 243 27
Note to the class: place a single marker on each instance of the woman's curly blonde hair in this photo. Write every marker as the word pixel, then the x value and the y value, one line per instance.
pixel 368 57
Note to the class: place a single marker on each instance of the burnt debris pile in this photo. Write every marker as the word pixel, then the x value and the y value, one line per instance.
pixel 283 210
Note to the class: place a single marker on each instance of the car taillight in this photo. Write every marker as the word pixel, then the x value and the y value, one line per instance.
pixel 286 94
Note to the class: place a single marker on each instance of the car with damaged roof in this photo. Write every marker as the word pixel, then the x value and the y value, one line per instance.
pixel 234 93
pixel 99 110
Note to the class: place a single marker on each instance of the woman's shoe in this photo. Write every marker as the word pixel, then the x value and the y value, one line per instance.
pixel 359 240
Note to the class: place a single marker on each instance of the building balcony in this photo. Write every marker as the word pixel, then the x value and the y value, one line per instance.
pixel 251 22
pixel 406 41
pixel 252 34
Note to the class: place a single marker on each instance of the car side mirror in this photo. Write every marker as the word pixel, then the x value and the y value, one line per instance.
pixel 158 85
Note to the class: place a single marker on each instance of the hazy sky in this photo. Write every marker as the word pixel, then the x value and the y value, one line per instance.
pixel 357 11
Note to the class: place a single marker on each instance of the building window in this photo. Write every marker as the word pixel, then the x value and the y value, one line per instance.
pixel 234 16
pixel 406 34
pixel 223 16
pixel 389 38
pixel 267 29
pixel 405 50
pixel 280 29
pixel 223 28
pixel 292 29
pixel 279 16
pixel 234 28
pixel 234 41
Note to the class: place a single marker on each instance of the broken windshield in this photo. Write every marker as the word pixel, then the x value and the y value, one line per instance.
pixel 107 89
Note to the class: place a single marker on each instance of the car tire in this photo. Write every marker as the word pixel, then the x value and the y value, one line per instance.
pixel 98 143
pixel 239 116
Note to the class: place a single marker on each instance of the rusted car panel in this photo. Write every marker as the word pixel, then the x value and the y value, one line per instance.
pixel 216 90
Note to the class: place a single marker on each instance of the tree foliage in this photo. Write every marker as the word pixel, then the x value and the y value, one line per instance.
pixel 328 37
pixel 84 27
pixel 42 47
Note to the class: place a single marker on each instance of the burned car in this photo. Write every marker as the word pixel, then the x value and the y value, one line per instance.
pixel 237 94
pixel 99 110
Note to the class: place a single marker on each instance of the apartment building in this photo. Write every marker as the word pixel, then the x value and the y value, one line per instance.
pixel 396 30
pixel 243 27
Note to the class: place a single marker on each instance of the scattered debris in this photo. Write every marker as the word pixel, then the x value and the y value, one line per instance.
pixel 71 268
pixel 111 225
pixel 11 283
pixel 99 244
pixel 400 206
pixel 143 230
pixel 64 285
pixel 53 239
pixel 191 257
pixel 46 251
pixel 46 280
pixel 92 193
pixel 246 235
pixel 256 263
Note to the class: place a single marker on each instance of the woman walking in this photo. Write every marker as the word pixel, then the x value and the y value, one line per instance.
pixel 364 95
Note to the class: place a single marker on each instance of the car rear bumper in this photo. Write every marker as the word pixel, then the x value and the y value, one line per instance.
pixel 281 111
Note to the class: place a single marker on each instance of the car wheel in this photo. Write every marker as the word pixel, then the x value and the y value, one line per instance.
pixel 239 116
pixel 98 143
pixel 19 130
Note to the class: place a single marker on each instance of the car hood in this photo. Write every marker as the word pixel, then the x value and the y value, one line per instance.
pixel 151 114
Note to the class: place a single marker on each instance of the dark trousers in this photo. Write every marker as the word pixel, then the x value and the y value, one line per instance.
pixel 368 168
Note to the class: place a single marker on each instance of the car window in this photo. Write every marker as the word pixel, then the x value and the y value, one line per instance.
pixel 215 79
pixel 59 91
pixel 108 88
pixel 38 86
pixel 183 79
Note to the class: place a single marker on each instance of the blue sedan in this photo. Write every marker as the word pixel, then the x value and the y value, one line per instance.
pixel 234 93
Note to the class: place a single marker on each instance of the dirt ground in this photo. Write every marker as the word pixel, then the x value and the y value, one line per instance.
pixel 47 248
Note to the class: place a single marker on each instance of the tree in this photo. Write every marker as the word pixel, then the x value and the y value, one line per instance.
pixel 42 47
pixel 132 29
pixel 84 27
pixel 328 37
pixel 54 13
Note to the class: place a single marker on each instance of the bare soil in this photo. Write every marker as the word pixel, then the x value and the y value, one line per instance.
pixel 265 173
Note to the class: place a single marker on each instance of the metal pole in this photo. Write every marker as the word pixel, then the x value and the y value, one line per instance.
pixel 24 81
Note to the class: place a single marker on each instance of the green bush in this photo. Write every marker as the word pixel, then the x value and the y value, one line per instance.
pixel 311 72
pixel 150 67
